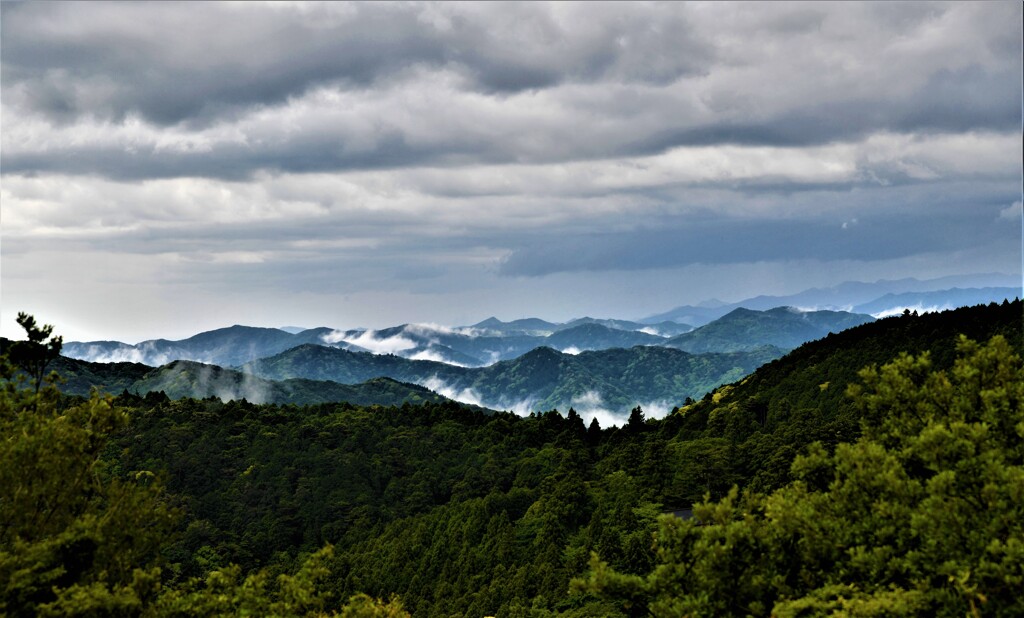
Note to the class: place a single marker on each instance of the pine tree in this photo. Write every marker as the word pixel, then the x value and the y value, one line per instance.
pixel 920 516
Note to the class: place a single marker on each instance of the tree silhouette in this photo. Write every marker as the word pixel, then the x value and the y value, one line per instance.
pixel 35 354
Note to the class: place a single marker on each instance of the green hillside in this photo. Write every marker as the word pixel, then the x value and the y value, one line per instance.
pixel 784 327
pixel 317 362
pixel 81 376
pixel 621 378
pixel 184 379
pixel 802 397
pixel 188 379
pixel 616 379
pixel 594 336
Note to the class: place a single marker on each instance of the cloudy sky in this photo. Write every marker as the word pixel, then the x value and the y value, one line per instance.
pixel 169 168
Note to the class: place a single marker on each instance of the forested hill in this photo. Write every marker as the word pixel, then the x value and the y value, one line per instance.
pixel 784 327
pixel 79 376
pixel 613 380
pixel 542 379
pixel 317 362
pixel 184 379
pixel 595 336
pixel 770 415
pixel 188 379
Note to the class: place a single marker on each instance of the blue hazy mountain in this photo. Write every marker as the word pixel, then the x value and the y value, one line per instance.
pixel 531 326
pixel 595 336
pixel 784 327
pixel 848 296
pixel 940 300
pixel 493 340
pixel 661 329
pixel 224 346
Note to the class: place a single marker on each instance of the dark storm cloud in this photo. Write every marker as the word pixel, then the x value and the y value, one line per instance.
pixel 497 157
pixel 736 242
pixel 230 161
pixel 885 223
pixel 171 63
pixel 969 99
pixel 452 84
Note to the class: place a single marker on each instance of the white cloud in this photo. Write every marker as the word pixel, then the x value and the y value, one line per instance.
pixel 306 163
pixel 433 355
pixel 918 308
pixel 96 354
pixel 1013 211
pixel 657 409
pixel 588 399
pixel 466 395
pixel 369 340
pixel 522 407
pixel 590 405
pixel 427 329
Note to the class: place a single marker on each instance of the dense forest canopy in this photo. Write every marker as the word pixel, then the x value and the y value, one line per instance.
pixel 902 493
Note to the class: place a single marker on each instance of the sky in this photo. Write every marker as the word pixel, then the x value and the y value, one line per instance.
pixel 168 168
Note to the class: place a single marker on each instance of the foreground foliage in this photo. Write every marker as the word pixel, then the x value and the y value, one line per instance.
pixel 922 515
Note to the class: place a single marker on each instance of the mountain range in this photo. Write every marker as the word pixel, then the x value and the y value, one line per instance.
pixel 224 346
pixel 783 327
pixel 879 298
pixel 612 380
pixel 523 365
pixel 482 344
pixel 181 379
pixel 542 379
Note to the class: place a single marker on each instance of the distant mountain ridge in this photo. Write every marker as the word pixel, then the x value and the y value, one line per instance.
pixel 892 304
pixel 783 327
pixel 493 340
pixel 855 296
pixel 524 325
pixel 472 346
pixel 467 346
pixel 596 336
pixel 229 346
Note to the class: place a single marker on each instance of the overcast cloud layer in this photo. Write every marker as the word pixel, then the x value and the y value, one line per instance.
pixel 169 168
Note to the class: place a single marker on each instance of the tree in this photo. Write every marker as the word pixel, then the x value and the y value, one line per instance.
pixel 74 538
pixel 226 592
pixel 594 431
pixel 34 354
pixel 920 516
pixel 636 421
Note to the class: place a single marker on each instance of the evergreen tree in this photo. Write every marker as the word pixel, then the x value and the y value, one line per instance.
pixel 920 516
pixel 35 353
pixel 74 537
